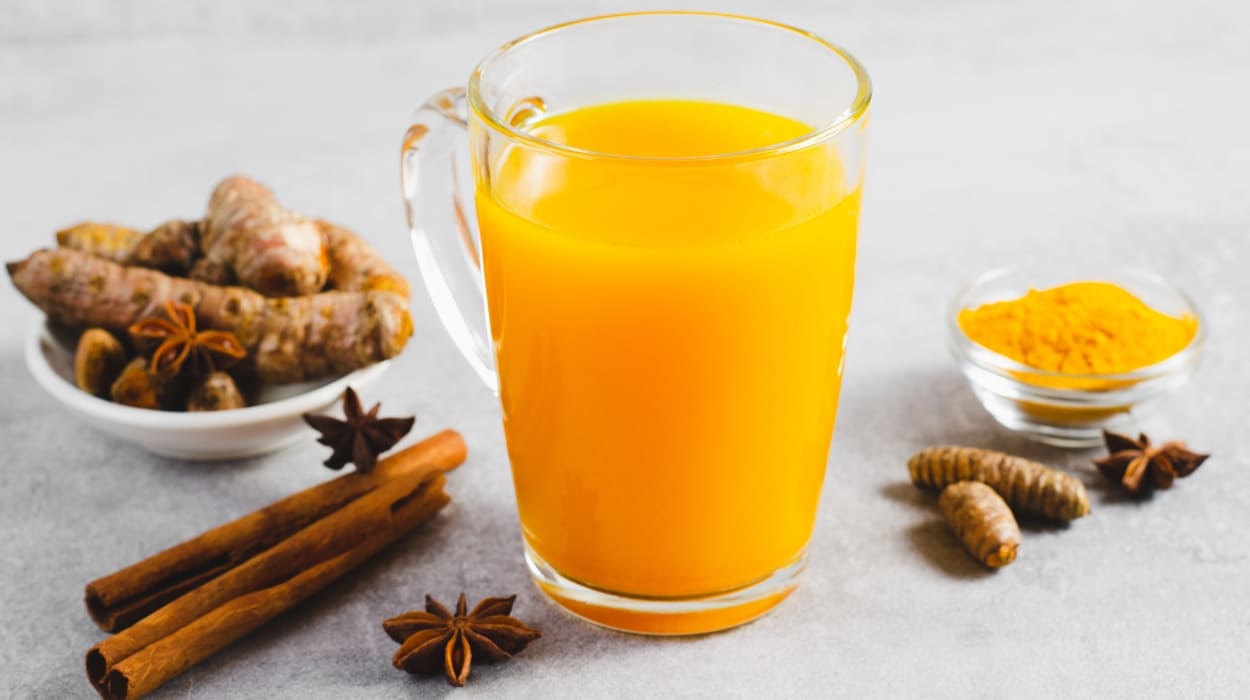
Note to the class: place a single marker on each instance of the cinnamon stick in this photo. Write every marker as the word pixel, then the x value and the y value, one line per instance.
pixel 147 669
pixel 322 540
pixel 120 599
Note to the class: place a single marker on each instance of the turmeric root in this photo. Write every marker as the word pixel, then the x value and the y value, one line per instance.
pixel 356 266
pixel 246 238
pixel 982 521
pixel 170 247
pixel 98 360
pixel 105 240
pixel 287 339
pixel 216 392
pixel 264 245
pixel 1030 488
pixel 136 386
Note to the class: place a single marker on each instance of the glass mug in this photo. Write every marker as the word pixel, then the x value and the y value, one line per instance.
pixel 659 211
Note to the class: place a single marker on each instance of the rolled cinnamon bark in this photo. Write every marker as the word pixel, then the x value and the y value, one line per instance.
pixel 147 669
pixel 324 539
pixel 120 599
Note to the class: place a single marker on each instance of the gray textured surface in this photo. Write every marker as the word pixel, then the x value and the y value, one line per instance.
pixel 1001 134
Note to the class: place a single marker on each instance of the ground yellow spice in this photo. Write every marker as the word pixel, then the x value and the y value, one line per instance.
pixel 1079 328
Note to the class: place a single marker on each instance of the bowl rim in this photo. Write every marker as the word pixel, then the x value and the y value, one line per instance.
pixel 987 359
pixel 70 395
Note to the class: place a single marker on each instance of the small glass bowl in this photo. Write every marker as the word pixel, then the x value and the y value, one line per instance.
pixel 1058 408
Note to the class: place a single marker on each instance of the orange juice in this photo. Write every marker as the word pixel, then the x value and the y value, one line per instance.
pixel 669 331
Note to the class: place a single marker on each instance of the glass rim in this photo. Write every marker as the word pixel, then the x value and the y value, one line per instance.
pixel 857 108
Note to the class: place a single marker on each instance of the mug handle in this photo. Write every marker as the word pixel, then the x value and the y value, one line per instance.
pixel 435 179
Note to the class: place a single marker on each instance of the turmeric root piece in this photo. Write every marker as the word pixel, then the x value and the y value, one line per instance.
pixel 98 360
pixel 1031 488
pixel 170 247
pixel 104 240
pixel 248 239
pixel 216 392
pixel 287 339
pixel 264 245
pixel 212 272
pixel 136 386
pixel 356 266
pixel 982 521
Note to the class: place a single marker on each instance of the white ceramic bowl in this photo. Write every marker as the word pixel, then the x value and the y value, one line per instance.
pixel 273 423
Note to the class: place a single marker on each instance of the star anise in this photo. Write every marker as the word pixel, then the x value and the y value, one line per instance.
pixel 179 344
pixel 434 639
pixel 1140 466
pixel 361 437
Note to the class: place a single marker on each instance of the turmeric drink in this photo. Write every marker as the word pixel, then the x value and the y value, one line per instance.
pixel 668 325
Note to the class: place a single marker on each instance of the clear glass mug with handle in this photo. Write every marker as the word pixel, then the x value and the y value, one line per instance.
pixel 659 211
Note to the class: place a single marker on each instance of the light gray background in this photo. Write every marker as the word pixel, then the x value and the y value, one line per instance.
pixel 1003 132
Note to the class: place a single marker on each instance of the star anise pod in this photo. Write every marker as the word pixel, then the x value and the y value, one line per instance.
pixel 1139 466
pixel 180 345
pixel 361 437
pixel 433 639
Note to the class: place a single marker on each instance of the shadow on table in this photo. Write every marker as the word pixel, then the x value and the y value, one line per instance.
pixel 932 539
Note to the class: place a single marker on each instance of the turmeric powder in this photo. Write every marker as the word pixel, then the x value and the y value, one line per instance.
pixel 1079 328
